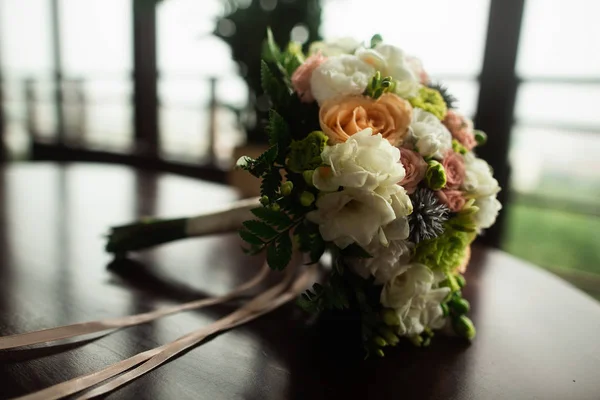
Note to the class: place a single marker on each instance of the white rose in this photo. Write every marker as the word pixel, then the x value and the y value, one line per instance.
pixel 415 297
pixel 364 161
pixel 479 181
pixel 386 261
pixel 488 211
pixel 351 216
pixel 391 61
pixel 334 47
pixel 341 75
pixel 431 137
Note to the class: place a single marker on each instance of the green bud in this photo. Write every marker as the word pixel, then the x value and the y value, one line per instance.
pixel 286 188
pixel 464 327
pixel 480 137
pixel 417 340
pixel 264 200
pixel 445 309
pixel 307 198
pixel 462 282
pixel 275 207
pixel 380 353
pixel 375 40
pixel 460 306
pixel 308 176
pixel 389 336
pixel 457 147
pixel 435 177
pixel 426 342
pixel 379 341
pixel 389 317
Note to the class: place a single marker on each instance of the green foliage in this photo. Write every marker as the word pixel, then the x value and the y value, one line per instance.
pixel 378 86
pixel 279 252
pixel 277 219
pixel 278 130
pixel 330 296
pixel 310 240
pixel 305 154
pixel 271 181
pixel 449 99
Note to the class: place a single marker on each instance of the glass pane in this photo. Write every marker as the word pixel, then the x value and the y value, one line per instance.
pixel 557 165
pixel 448 36
pixel 549 104
pixel 553 219
pixel 25 33
pixel 560 38
pixel 96 37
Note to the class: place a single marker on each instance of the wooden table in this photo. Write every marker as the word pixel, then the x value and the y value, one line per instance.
pixel 538 337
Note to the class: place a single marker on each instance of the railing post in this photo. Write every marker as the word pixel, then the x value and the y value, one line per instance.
pixel 144 78
pixel 30 109
pixel 212 122
pixel 58 76
pixel 497 96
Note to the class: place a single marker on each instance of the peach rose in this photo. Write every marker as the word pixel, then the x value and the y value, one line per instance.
pixel 415 168
pixel 454 199
pixel 342 117
pixel 301 77
pixel 461 129
pixel 454 165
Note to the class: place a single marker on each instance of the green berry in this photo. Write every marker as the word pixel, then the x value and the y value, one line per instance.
pixel 460 306
pixel 390 318
pixel 264 200
pixel 308 176
pixel 307 198
pixel 464 327
pixel 286 188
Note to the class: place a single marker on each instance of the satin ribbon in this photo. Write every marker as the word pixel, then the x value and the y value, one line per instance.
pixel 151 359
pixel 86 328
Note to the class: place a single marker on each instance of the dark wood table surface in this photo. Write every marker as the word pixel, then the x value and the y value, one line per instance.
pixel 538 337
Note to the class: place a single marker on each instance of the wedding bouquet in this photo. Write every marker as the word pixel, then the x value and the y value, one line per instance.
pixel 369 161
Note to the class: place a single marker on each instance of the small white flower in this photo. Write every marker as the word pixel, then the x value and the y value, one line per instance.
pixel 430 136
pixel 338 76
pixel 351 216
pixel 479 181
pixel 414 295
pixel 489 207
pixel 386 261
pixel 391 61
pixel 334 47
pixel 364 161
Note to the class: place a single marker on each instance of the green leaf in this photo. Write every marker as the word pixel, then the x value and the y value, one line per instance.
pixel 273 51
pixel 279 253
pixel 269 82
pixel 268 157
pixel 271 181
pixel 278 130
pixel 278 219
pixel 356 251
pixel 260 229
pixel 250 237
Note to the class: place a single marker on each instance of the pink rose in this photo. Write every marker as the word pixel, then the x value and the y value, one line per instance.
pixel 415 168
pixel 454 165
pixel 454 199
pixel 461 129
pixel 301 77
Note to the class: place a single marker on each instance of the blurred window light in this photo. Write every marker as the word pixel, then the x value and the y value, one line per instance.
pixel 560 38
pixel 448 36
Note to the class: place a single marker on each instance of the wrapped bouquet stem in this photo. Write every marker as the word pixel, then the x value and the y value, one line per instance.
pixel 152 232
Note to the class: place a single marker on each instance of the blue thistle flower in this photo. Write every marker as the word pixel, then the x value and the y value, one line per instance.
pixel 428 216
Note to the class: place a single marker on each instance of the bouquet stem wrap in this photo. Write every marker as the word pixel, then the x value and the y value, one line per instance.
pixel 152 232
